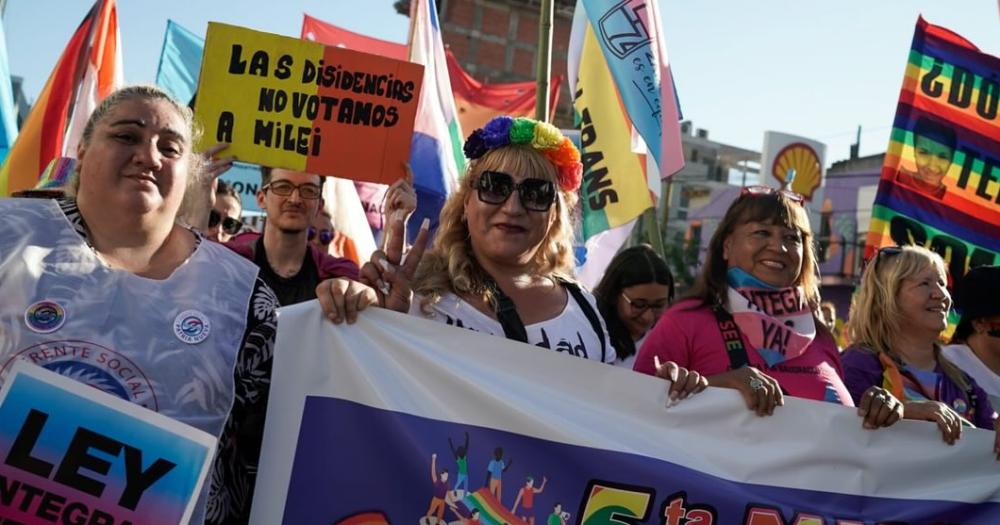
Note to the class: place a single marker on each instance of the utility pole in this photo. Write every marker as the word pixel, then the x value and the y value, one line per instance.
pixel 543 71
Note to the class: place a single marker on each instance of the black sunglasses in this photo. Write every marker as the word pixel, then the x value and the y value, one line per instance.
pixel 325 236
pixel 495 187
pixel 229 225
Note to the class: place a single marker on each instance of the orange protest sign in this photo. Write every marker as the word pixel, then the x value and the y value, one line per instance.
pixel 289 103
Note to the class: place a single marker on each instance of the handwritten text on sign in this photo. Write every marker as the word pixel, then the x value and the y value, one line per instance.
pixel 289 103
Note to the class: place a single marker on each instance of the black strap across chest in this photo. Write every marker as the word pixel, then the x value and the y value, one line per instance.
pixel 513 326
pixel 731 338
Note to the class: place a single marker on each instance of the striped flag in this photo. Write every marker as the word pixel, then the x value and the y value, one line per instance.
pixel 8 118
pixel 938 187
pixel 89 69
pixel 436 153
pixel 491 511
pixel 614 190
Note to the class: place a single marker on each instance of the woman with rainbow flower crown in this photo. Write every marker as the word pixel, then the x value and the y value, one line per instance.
pixel 502 260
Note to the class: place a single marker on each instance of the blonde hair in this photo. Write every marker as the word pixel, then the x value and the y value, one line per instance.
pixel 876 318
pixel 142 92
pixel 450 265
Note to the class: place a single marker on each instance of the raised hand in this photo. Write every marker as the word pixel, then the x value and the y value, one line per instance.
pixel 387 275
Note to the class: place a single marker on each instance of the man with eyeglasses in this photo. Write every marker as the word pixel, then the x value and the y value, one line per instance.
pixel 288 263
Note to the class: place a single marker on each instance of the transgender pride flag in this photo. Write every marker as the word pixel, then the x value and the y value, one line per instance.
pixel 436 152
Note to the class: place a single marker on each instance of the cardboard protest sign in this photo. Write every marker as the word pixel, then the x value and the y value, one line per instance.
pixel 74 454
pixel 940 183
pixel 396 419
pixel 289 103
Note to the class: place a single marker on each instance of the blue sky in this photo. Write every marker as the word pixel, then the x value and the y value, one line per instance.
pixel 817 69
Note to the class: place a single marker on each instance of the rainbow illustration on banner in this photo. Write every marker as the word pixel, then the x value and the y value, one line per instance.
pixel 939 186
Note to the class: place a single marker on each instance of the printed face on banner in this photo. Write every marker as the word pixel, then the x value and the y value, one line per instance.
pixel 940 184
pixel 77 455
pixel 289 103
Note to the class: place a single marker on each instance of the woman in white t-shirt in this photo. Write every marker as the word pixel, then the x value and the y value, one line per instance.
pixel 502 260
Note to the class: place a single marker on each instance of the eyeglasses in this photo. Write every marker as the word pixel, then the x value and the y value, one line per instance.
pixel 885 251
pixel 325 236
pixel 757 191
pixel 229 225
pixel 284 188
pixel 639 306
pixel 495 187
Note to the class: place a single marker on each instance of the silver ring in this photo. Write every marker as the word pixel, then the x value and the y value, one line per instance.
pixel 756 384
pixel 882 398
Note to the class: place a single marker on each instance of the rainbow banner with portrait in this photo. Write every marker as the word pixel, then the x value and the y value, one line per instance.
pixel 73 454
pixel 396 419
pixel 289 103
pixel 940 184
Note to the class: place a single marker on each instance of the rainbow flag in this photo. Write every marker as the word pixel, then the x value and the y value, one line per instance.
pixel 56 174
pixel 89 69
pixel 491 511
pixel 939 186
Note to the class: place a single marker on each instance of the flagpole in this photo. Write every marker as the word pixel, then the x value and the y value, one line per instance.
pixel 544 65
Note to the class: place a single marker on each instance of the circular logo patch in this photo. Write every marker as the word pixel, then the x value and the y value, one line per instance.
pixel 960 405
pixel 192 327
pixel 44 316
pixel 91 364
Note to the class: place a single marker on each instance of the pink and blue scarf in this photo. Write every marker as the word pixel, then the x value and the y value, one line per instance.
pixel 777 321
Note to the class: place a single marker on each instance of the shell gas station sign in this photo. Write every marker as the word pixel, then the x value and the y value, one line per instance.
pixel 787 155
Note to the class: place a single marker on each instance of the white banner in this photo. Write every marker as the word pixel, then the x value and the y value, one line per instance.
pixel 400 420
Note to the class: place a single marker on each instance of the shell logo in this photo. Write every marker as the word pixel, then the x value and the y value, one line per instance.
pixel 804 160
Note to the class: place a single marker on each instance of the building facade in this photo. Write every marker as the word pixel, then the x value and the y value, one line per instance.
pixel 497 41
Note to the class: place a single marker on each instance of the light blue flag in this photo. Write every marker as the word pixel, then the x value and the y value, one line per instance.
pixel 180 65
pixel 180 62
pixel 8 117
pixel 627 35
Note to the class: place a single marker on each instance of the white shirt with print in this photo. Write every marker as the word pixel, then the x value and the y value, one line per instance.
pixel 569 332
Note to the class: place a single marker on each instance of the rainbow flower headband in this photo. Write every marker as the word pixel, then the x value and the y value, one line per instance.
pixel 542 136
